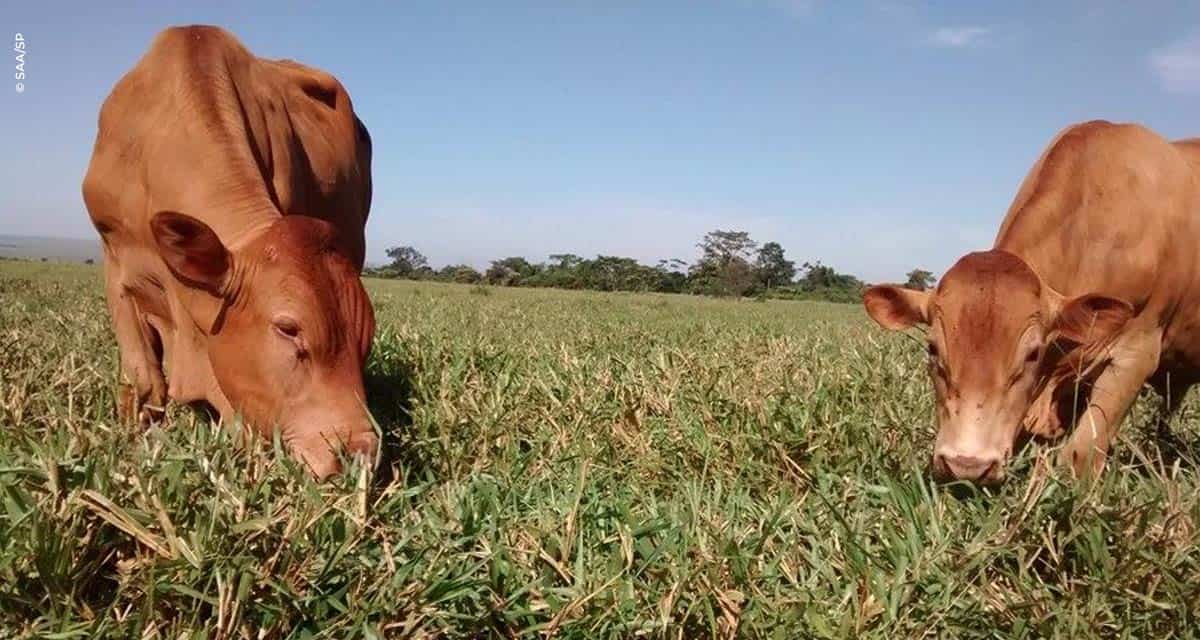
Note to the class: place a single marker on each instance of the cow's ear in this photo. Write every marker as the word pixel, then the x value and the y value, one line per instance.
pixel 191 250
pixel 1090 319
pixel 897 308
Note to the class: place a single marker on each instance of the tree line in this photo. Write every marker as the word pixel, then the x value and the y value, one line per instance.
pixel 730 264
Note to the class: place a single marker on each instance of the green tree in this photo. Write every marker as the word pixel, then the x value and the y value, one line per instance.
pixel 614 273
pixel 459 273
pixel 672 275
pixel 464 274
pixel 565 261
pixel 406 262
pixel 920 280
pixel 510 272
pixel 824 282
pixel 773 268
pixel 724 267
pixel 563 271
pixel 726 246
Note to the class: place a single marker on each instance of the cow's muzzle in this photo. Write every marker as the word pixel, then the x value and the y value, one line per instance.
pixel 981 468
pixel 324 455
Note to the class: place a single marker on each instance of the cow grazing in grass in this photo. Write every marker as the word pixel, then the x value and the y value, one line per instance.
pixel 1090 291
pixel 231 193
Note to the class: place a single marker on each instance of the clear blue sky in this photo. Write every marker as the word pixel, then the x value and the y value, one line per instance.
pixel 873 136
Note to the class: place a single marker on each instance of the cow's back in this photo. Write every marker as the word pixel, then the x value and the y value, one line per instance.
pixel 1190 148
pixel 202 126
pixel 1111 209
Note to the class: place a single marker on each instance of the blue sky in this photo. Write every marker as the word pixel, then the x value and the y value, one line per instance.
pixel 873 136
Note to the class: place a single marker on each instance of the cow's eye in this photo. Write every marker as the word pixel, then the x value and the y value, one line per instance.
pixel 1033 356
pixel 933 351
pixel 287 328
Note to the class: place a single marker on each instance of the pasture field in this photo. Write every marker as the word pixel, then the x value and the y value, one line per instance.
pixel 574 465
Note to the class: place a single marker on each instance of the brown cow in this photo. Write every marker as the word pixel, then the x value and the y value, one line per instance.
pixel 231 193
pixel 1092 287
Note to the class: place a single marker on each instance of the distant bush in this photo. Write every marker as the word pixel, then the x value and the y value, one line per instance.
pixel 827 294
pixel 731 265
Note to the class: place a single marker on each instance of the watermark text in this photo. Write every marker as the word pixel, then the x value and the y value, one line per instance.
pixel 19 49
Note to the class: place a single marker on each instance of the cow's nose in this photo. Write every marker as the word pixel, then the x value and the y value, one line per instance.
pixel 984 469
pixel 322 455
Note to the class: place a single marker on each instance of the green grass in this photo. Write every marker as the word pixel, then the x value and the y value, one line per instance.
pixel 575 465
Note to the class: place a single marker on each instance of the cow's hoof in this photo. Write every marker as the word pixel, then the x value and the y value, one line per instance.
pixel 1042 419
pixel 1084 459
pixel 137 408
pixel 151 414
pixel 1044 426
pixel 127 403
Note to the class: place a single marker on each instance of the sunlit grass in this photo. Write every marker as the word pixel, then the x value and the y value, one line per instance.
pixel 570 464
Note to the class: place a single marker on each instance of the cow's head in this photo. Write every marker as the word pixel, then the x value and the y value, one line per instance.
pixel 288 328
pixel 997 335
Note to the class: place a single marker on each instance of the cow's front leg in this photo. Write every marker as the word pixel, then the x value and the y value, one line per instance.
pixel 1043 420
pixel 1133 359
pixel 142 392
